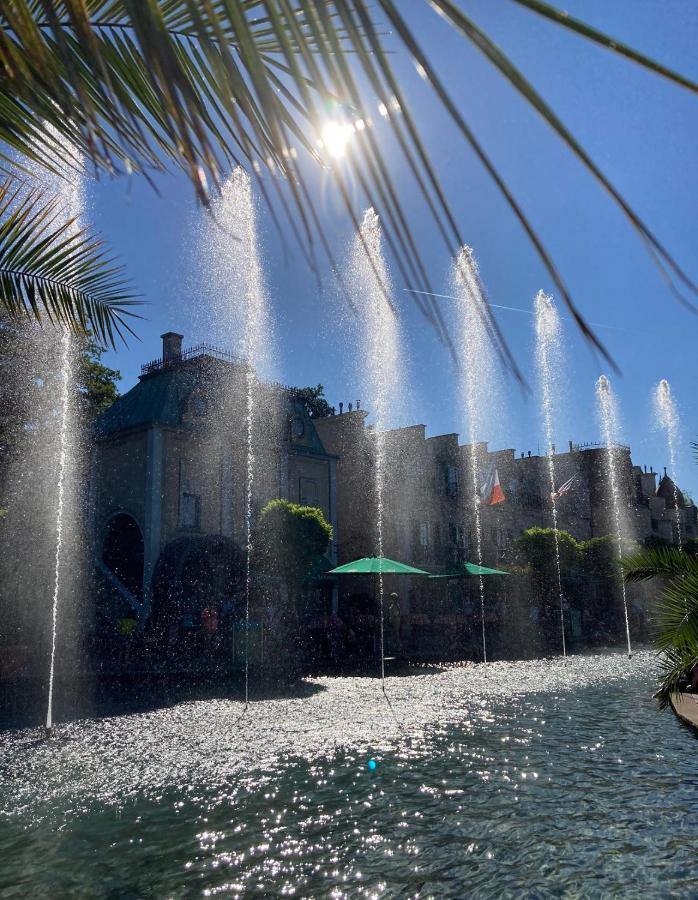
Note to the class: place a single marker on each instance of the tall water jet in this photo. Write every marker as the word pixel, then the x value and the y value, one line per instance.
pixel 478 382
pixel 381 361
pixel 668 417
pixel 549 364
pixel 608 415
pixel 56 463
pixel 240 317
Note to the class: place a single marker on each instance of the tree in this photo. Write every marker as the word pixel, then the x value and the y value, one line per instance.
pixel 133 87
pixel 599 555
pixel 677 610
pixel 96 382
pixel 314 400
pixel 535 549
pixel 291 540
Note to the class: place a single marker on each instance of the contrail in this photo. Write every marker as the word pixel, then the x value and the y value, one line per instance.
pixel 528 312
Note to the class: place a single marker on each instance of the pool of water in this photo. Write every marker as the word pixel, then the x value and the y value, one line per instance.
pixel 536 778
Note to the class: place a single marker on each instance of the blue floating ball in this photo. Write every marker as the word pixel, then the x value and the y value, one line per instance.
pixel 372 764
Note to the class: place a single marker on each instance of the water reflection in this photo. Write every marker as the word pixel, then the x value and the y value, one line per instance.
pixel 504 779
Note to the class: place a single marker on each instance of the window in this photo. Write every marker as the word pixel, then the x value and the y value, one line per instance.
pixel 190 511
pixel 308 493
pixel 457 534
pixel 451 481
pixel 424 534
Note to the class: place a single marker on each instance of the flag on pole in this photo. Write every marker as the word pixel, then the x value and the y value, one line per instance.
pixel 563 489
pixel 491 491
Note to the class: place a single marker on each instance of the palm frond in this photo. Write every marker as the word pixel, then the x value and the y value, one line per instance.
pixel 668 562
pixel 564 19
pixel 676 617
pixel 51 269
pixel 137 85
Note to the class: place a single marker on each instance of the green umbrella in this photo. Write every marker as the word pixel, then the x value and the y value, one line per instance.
pixel 471 569
pixel 378 565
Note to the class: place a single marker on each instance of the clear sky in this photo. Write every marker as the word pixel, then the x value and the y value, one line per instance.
pixel 640 129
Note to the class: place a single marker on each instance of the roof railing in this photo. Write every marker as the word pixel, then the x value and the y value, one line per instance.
pixel 191 353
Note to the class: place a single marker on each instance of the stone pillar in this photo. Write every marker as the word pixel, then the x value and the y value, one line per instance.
pixel 226 492
pixel 333 507
pixel 283 474
pixel 153 511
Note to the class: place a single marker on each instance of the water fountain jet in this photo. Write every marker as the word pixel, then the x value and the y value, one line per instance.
pixel 382 359
pixel 479 383
pixel 668 417
pixel 549 363
pixel 608 415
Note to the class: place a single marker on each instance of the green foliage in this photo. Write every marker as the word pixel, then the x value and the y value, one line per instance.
pixel 677 610
pixel 135 86
pixel 535 549
pixel 654 541
pixel 97 383
pixel 291 540
pixel 50 269
pixel 599 555
pixel 314 400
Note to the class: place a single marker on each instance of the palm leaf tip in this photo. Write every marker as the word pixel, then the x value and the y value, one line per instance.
pixel 49 269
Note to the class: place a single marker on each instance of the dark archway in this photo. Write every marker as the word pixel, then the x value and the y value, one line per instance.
pixel 194 573
pixel 123 552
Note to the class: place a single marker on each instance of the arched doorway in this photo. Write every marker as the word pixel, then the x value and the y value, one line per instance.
pixel 123 552
pixel 195 574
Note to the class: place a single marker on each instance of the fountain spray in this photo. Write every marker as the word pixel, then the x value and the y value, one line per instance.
pixel 549 362
pixel 668 416
pixel 382 359
pixel 608 414
pixel 240 308
pixel 70 192
pixel 479 383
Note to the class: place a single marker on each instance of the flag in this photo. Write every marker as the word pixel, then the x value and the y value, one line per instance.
pixel 563 489
pixel 491 491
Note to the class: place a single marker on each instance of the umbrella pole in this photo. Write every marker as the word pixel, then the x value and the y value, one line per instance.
pixel 382 631
pixel 482 618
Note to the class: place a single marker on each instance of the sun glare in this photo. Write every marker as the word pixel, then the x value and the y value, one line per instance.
pixel 335 137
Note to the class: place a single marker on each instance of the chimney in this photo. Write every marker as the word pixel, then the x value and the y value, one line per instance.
pixel 552 447
pixel 350 407
pixel 570 443
pixel 358 404
pixel 171 346
pixel 341 408
pixel 529 454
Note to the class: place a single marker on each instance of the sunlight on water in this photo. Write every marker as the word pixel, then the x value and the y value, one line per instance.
pixel 550 367
pixel 512 779
pixel 608 414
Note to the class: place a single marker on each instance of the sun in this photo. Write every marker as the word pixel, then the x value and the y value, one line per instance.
pixel 335 137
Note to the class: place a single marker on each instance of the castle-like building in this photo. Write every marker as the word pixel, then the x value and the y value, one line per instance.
pixel 170 493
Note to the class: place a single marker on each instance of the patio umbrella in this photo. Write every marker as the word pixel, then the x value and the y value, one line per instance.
pixel 473 569
pixel 377 565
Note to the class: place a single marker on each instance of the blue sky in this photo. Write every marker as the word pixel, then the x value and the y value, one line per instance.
pixel 641 130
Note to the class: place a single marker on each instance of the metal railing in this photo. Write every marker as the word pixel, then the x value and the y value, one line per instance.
pixel 191 353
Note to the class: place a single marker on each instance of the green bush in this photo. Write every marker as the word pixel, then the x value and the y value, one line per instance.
pixel 291 539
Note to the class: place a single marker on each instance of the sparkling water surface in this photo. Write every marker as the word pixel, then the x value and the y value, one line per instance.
pixel 528 779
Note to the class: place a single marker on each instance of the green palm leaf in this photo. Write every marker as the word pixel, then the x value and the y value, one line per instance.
pixel 51 269
pixel 677 609
pixel 136 85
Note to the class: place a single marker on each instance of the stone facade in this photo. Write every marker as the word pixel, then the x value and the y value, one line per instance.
pixel 171 464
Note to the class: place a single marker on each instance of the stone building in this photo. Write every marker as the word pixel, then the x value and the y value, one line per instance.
pixel 170 491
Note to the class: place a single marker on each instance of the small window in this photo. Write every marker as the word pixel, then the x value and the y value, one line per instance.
pixel 191 511
pixel 423 534
pixel 451 481
pixel 308 492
